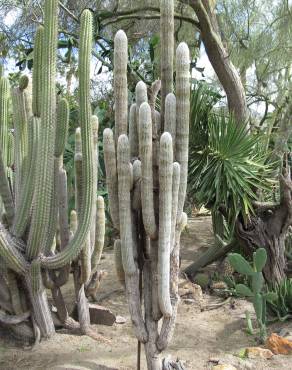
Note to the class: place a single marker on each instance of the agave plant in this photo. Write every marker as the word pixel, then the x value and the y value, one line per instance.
pixel 227 166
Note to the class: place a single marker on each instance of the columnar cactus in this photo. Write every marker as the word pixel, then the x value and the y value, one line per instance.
pixel 146 177
pixel 35 205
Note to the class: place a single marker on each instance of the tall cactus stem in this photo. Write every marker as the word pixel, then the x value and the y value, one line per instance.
pixel 61 127
pixel 168 324
pixel 137 176
pixel 182 119
pixel 36 72
pixel 23 211
pixel 133 132
pixel 167 51
pixel 84 222
pixel 120 83
pixel 45 159
pixel 5 193
pixel 118 261
pixel 85 262
pixel 99 233
pixel 170 116
pixel 21 139
pixel 145 140
pixel 4 105
pixel 155 88
pixel 141 97
pixel 165 202
pixel 175 190
pixel 111 175
pixel 94 126
pixel 123 156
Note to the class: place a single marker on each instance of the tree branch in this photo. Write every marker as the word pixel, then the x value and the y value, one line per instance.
pixel 225 70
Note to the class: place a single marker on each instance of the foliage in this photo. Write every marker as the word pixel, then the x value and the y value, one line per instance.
pixel 281 306
pixel 227 164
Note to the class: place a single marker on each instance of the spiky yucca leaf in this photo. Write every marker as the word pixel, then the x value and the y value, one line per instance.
pixel 229 168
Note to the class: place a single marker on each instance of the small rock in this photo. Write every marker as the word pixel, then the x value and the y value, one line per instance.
pixel 258 352
pixel 279 345
pixel 224 367
pixel 120 319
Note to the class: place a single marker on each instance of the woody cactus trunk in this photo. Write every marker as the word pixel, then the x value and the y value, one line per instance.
pixel 37 249
pixel 146 169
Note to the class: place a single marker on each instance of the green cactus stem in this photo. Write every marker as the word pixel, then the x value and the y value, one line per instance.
pixel 84 222
pixel 21 139
pixel 182 119
pixel 5 192
pixel 120 83
pixel 45 159
pixel 10 254
pixel 23 212
pixel 36 72
pixel 4 105
pixel 61 127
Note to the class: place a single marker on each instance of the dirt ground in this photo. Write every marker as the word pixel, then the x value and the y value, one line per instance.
pixel 201 338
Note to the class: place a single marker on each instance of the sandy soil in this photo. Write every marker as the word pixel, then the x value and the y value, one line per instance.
pixel 201 338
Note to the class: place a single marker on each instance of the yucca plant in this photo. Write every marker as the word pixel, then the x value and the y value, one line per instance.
pixel 228 169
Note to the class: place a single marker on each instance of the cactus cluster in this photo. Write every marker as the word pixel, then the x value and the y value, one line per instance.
pixel 146 168
pixel 36 242
pixel 256 292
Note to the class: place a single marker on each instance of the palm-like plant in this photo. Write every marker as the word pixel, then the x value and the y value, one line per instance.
pixel 227 165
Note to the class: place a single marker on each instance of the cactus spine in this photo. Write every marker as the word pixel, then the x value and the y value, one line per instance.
pixel 150 211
